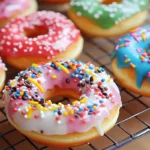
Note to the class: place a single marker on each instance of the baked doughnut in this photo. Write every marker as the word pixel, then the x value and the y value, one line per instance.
pixel 39 37
pixel 30 110
pixel 108 18
pixel 10 9
pixel 2 74
pixel 131 61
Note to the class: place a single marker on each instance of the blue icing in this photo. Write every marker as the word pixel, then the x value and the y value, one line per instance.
pixel 136 46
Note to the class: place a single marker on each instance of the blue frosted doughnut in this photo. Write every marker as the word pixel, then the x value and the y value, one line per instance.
pixel 132 51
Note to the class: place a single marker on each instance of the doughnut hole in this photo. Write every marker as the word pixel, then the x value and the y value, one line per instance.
pixel 57 94
pixel 36 31
pixel 107 2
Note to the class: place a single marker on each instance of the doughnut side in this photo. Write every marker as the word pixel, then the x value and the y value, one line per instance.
pixel 71 139
pixel 71 52
pixel 127 78
pixel 85 24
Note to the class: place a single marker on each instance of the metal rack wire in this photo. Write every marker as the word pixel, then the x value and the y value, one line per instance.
pixel 98 51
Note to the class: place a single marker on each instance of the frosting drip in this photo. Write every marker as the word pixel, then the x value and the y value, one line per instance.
pixel 9 7
pixel 108 15
pixel 24 98
pixel 132 51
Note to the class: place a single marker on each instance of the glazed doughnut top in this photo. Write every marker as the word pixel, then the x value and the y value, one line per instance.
pixel 25 102
pixel 132 51
pixel 9 7
pixel 61 33
pixel 107 16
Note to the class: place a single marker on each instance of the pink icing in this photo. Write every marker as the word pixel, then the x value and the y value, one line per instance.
pixel 9 7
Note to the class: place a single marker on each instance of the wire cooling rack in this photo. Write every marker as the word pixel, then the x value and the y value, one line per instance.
pixel 133 122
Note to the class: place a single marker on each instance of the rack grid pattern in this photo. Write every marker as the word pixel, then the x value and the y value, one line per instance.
pixel 132 123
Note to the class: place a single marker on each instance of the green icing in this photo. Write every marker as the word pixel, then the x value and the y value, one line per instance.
pixel 108 15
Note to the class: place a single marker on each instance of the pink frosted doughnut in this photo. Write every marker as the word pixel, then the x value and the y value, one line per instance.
pixel 10 9
pixel 94 111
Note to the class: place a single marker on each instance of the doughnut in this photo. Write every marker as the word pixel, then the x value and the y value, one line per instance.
pixel 131 61
pixel 32 109
pixel 39 37
pixel 108 18
pixel 2 74
pixel 10 9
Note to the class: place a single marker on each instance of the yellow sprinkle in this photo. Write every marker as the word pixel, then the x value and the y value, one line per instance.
pixel 54 76
pixel 38 106
pixel 127 60
pixel 86 67
pixel 72 112
pixel 49 102
pixel 35 65
pixel 142 57
pixel 21 93
pixel 94 107
pixel 62 67
pixel 83 100
pixel 39 74
pixel 12 83
pixel 96 68
pixel 143 37
pixel 52 108
pixel 65 113
pixel 89 72
pixel 74 102
pixel 33 102
pixel 44 109
pixel 29 112
pixel 36 83
pixel 68 108
pixel 60 104
pixel 132 65
pixel 121 45
pixel 109 79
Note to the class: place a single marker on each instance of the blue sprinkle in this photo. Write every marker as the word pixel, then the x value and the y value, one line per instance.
pixel 72 60
pixel 80 76
pixel 80 109
pixel 65 64
pixel 58 68
pixel 102 69
pixel 72 75
pixel 77 71
pixel 101 101
pixel 55 111
pixel 39 71
pixel 102 80
pixel 89 106
pixel 91 67
pixel 17 95
pixel 33 75
pixel 17 91
pixel 91 109
pixel 87 75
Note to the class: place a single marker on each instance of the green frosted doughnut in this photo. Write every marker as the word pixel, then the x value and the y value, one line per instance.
pixel 107 16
